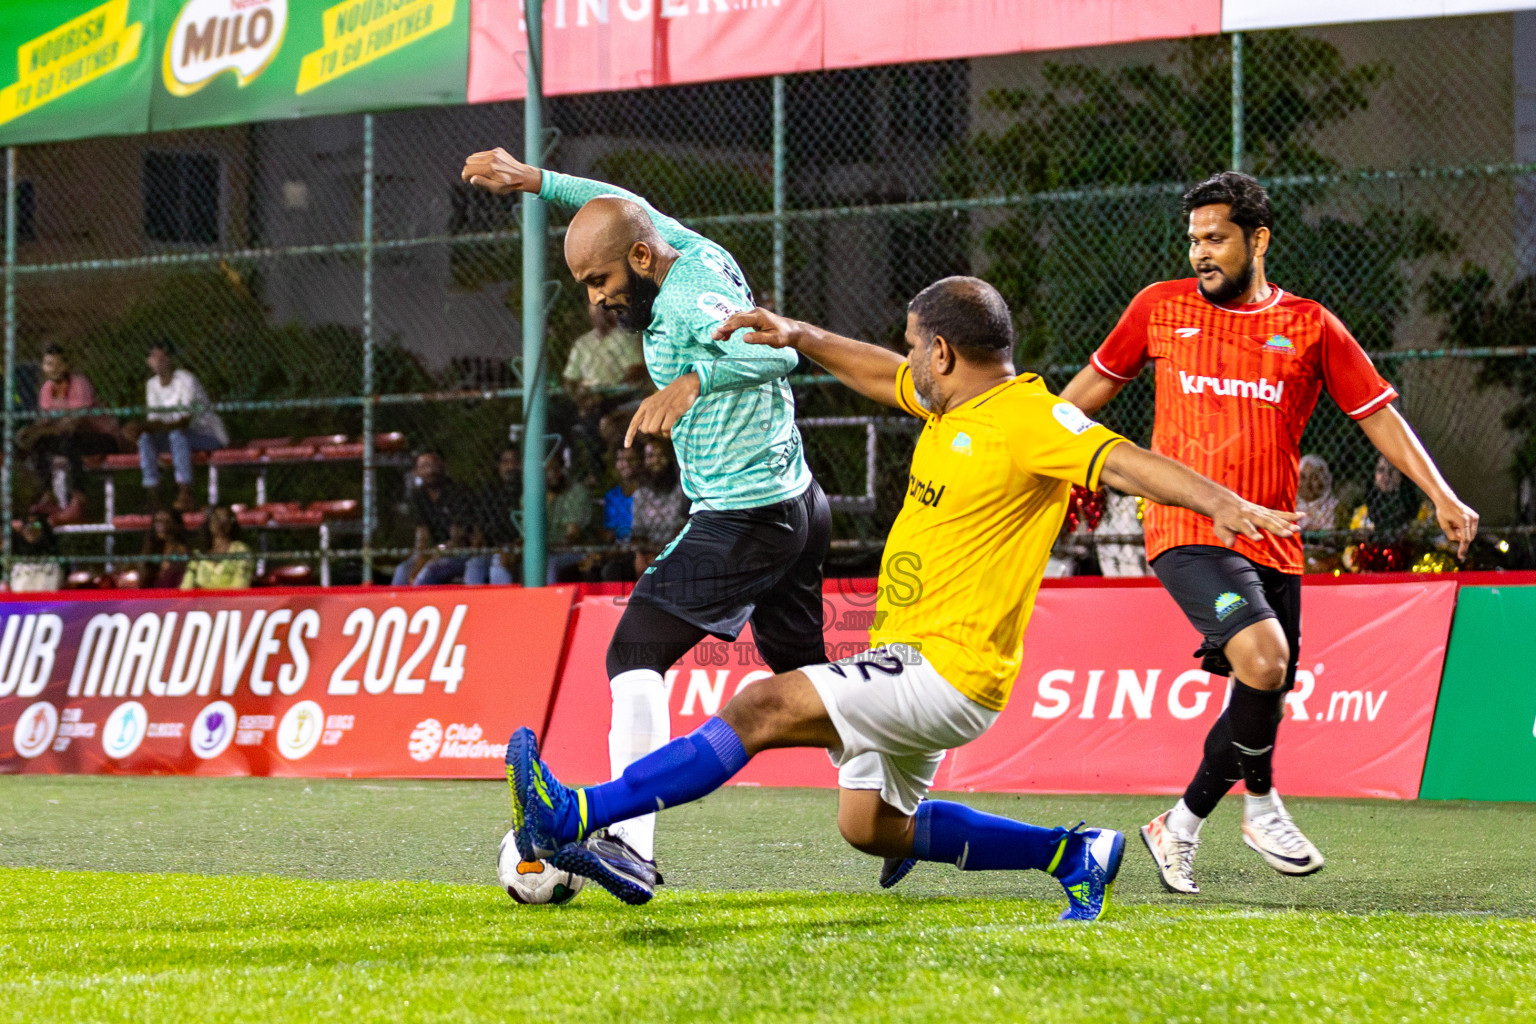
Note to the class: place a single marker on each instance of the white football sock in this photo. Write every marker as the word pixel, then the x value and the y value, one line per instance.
pixel 1183 820
pixel 641 723
pixel 1254 806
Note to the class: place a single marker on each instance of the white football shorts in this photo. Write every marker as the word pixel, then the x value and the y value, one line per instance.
pixel 896 717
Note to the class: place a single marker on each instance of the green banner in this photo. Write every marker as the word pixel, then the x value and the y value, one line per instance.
pixel 1483 746
pixel 81 68
pixel 234 61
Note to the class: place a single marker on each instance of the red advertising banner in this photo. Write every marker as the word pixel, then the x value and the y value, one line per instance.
pixel 1109 710
pixel 897 31
pixel 576 744
pixel 1109 699
pixel 411 682
pixel 605 45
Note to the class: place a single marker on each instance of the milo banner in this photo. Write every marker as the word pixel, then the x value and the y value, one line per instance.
pixel 419 682
pixel 1109 698
pixel 231 61
pixel 73 68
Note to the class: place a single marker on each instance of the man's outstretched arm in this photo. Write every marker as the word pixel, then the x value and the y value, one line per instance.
pixel 868 369
pixel 1395 439
pixel 1090 390
pixel 501 173
pixel 1158 478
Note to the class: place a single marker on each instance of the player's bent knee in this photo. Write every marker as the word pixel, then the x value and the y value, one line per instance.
pixel 862 833
pixel 760 713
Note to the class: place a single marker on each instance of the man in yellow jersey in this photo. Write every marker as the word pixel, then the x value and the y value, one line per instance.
pixel 988 488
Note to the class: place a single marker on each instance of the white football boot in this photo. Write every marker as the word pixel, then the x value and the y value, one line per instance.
pixel 1275 837
pixel 1174 854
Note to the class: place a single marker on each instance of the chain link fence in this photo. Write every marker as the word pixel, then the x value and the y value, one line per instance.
pixel 346 303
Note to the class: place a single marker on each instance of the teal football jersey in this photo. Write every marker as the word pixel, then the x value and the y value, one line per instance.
pixel 738 446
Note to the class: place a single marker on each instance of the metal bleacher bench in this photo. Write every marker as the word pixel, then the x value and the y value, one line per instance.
pixel 257 455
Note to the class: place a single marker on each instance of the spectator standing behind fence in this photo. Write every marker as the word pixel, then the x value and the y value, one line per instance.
pixel 64 390
pixel 605 366
pixel 660 508
pixel 443 514
pixel 495 505
pixel 1315 500
pixel 34 540
pixel 1319 507
pixel 568 509
pixel 618 518
pixel 1392 522
pixel 221 536
pixel 607 356
pixel 182 432
pixel 167 535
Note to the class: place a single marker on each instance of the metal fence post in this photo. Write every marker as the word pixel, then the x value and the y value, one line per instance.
pixel 370 499
pixel 535 238
pixel 1237 101
pixel 7 437
pixel 778 193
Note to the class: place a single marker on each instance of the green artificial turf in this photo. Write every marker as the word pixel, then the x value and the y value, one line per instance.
pixel 290 900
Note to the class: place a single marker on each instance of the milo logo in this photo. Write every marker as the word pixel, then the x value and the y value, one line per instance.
pixel 211 37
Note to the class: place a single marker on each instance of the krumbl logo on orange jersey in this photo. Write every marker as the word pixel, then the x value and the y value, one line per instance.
pixel 1260 389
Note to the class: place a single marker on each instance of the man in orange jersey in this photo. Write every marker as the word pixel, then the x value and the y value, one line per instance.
pixel 1240 363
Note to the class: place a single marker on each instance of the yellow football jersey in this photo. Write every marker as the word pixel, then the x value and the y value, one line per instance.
pixel 986 498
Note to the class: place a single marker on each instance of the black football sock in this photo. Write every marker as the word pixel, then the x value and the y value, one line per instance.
pixel 1218 772
pixel 1255 717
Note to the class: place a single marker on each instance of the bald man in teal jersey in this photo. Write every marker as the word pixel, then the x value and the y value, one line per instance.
pixel 759 528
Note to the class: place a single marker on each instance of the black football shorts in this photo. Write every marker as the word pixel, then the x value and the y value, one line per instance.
pixel 1222 593
pixel 762 565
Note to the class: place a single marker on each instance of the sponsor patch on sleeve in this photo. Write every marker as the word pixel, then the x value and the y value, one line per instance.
pixel 1073 418
pixel 717 306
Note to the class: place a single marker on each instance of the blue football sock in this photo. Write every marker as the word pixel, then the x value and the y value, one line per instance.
pixel 973 841
pixel 686 769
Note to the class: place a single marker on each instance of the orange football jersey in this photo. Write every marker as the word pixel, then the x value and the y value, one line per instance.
pixel 1235 388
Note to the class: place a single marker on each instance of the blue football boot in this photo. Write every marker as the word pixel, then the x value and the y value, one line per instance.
pixel 539 802
pixel 1086 864
pixel 613 864
pixel 895 869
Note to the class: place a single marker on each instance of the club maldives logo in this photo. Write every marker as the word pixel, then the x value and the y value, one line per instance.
pixel 36 728
pixel 299 731
pixel 125 730
pixel 211 37
pixel 426 738
pixel 213 730
pixel 1228 603
pixel 1281 343
pixel 454 741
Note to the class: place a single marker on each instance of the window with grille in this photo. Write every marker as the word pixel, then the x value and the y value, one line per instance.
pixel 181 198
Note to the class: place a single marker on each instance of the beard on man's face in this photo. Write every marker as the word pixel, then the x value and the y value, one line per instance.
pixel 639 300
pixel 922 383
pixel 1230 287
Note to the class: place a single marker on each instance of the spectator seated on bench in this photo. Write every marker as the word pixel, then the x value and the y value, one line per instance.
pixel 167 535
pixel 180 433
pixel 496 504
pixel 222 537
pixel 67 437
pixel 443 514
